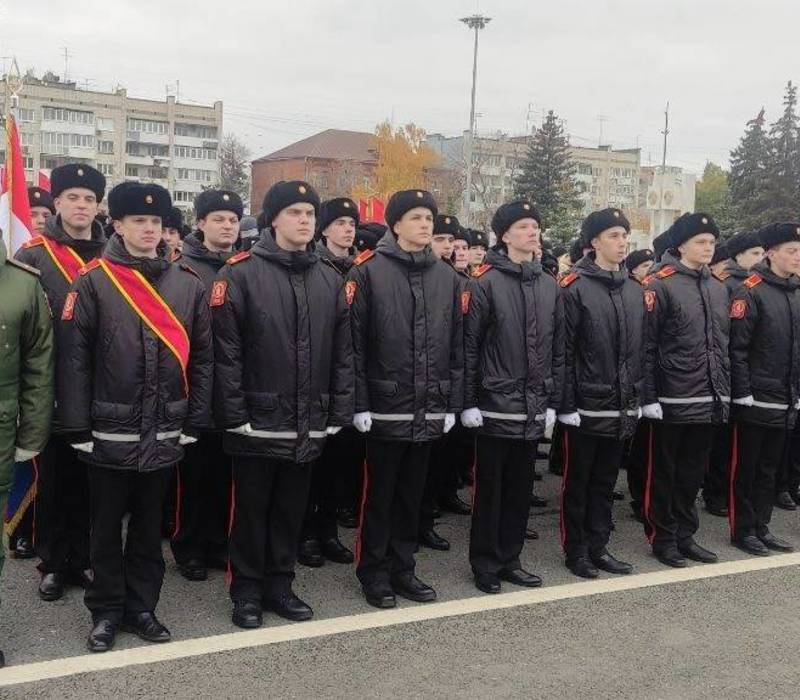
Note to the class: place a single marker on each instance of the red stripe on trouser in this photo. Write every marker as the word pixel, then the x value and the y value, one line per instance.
pixel 364 491
pixel 178 497
pixel 648 489
pixel 733 469
pixel 35 463
pixel 564 477
pixel 228 570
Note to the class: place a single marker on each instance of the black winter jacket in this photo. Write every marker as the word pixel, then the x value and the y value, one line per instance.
pixel 765 347
pixel 514 347
pixel 205 263
pixel 733 276
pixel 342 265
pixel 122 387
pixel 604 339
pixel 407 341
pixel 687 369
pixel 283 352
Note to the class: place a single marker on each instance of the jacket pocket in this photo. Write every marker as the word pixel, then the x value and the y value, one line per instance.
pixel 115 433
pixel 598 391
pixel 499 385
pixel 176 410
pixel 113 412
pixel 261 401
pixel 266 411
pixel 382 387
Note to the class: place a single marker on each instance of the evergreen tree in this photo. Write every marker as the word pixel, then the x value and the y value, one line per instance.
pixel 547 180
pixel 713 197
pixel 748 177
pixel 783 169
pixel 234 162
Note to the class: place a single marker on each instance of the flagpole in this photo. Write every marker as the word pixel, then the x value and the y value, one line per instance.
pixel 13 84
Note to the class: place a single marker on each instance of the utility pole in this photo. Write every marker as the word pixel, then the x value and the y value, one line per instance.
pixel 601 119
pixel 476 23
pixel 67 56
pixel 663 168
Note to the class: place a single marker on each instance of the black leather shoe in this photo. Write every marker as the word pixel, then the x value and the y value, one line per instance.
pixel 145 625
pixel 453 504
pixel 23 549
pixel 692 550
pixel 247 614
pixel 752 545
pixel 347 518
pixel 219 563
pixel 717 508
pixel 776 544
pixel 410 587
pixel 488 583
pixel 431 539
pixel 335 551
pixel 289 607
pixel 520 577
pixel 582 567
pixel 51 587
pixel 538 501
pixel 785 501
pixel 379 595
pixel 102 636
pixel 531 534
pixel 611 564
pixel 671 557
pixel 309 554
pixel 193 570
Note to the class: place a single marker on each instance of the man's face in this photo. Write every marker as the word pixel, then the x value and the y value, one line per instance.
pixel 39 216
pixel 461 252
pixel 641 271
pixel 523 236
pixel 699 249
pixel 341 232
pixel 785 258
pixel 141 233
pixel 77 207
pixel 611 245
pixel 294 225
pixel 751 256
pixel 220 229
pixel 415 227
pixel 442 245
pixel 477 254
pixel 171 237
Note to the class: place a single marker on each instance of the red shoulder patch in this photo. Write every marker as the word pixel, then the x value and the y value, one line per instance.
pixel 649 300
pixel 482 270
pixel 738 308
pixel 88 267
pixel 218 290
pixel 753 280
pixel 242 255
pixel 69 306
pixel 350 291
pixel 36 240
pixel 466 295
pixel 363 256
pixel 665 272
pixel 568 280
pixel 647 280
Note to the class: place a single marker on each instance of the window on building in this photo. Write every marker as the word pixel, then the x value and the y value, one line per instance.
pixel 105 123
pixel 27 162
pixel 27 115
pixel 157 150
pixel 195 153
pixel 105 146
pixel 26 138
pixel 58 138
pixel 198 131
pixel 147 126
pixel 180 196
pixel 73 116
pixel 131 170
pixel 106 168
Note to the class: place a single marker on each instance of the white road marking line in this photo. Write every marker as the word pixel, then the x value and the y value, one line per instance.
pixel 58 668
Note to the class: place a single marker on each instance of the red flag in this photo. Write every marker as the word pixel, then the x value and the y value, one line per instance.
pixel 363 208
pixel 44 179
pixel 378 210
pixel 15 211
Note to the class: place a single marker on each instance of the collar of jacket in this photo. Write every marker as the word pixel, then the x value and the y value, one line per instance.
pixel 764 270
pixel 389 247
pixel 703 273
pixel 151 268
pixel 195 249
pixel 343 263
pixel 525 271
pixel 588 266
pixel 90 247
pixel 734 269
pixel 293 260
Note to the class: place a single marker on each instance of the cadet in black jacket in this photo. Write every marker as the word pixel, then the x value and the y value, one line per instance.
pixel 604 312
pixel 71 239
pixel 137 366
pixel 335 473
pixel 514 349
pixel 686 387
pixel 283 382
pixel 765 378
pixel 202 513
pixel 408 349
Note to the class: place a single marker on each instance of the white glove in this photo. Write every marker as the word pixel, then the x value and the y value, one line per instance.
pixel 87 447
pixel 21 455
pixel 186 439
pixel 797 405
pixel 744 401
pixel 362 422
pixel 653 411
pixel 449 422
pixel 242 429
pixel 573 419
pixel 639 413
pixel 471 418
pixel 333 429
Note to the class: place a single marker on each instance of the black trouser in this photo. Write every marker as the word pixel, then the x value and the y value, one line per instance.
pixel 62 515
pixel 461 457
pixel 350 453
pixel 715 485
pixel 451 456
pixel 788 477
pixel 591 466
pixel 202 510
pixel 756 454
pixel 394 479
pixel 501 501
pixel 675 473
pixel 126 580
pixel 555 460
pixel 636 463
pixel 269 502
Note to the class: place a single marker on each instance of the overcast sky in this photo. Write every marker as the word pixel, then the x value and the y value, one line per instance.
pixel 285 70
